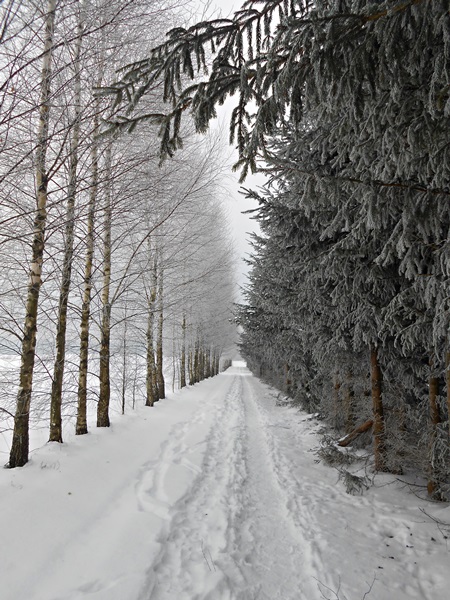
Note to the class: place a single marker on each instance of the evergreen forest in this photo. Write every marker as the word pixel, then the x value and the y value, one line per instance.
pixel 345 106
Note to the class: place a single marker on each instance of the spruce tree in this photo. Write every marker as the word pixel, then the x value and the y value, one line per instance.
pixel 354 257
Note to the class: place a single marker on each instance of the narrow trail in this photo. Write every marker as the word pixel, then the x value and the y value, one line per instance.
pixel 232 536
pixel 262 520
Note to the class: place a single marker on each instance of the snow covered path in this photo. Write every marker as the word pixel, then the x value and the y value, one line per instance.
pixel 214 494
pixel 232 536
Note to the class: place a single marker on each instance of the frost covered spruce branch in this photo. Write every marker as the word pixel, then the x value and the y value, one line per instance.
pixel 266 55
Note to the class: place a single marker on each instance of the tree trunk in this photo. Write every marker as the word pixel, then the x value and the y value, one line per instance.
pixel 159 341
pixel 124 363
pixel 217 364
pixel 196 367
pixel 81 425
pixel 20 443
pixel 447 382
pixel 151 388
pixel 378 416
pixel 349 403
pixel 352 435
pixel 58 369
pixel 201 364
pixel 336 398
pixel 191 366
pixel 287 380
pixel 183 353
pixel 208 363
pixel 105 334
pixel 435 418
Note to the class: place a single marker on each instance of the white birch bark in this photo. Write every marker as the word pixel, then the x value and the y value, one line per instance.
pixel 58 369
pixel 20 443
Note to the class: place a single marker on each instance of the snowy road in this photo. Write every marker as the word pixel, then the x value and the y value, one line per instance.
pixel 215 494
pixel 232 536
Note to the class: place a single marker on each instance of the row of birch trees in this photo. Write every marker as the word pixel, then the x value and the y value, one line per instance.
pixel 115 270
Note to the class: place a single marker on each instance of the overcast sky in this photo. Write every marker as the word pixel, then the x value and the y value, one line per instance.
pixel 241 224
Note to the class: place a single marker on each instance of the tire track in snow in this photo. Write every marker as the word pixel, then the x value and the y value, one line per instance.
pixel 273 559
pixel 151 495
pixel 389 543
pixel 231 537
pixel 308 500
pixel 185 568
pixel 295 500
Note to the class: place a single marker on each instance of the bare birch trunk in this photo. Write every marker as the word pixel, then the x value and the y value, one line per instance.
pixel 20 443
pixel 378 415
pixel 81 425
pixel 58 369
pixel 150 366
pixel 151 389
pixel 159 340
pixel 208 363
pixel 217 364
pixel 174 359
pixel 197 362
pixel 183 353
pixel 105 329
pixel 201 363
pixel 124 363
pixel 191 366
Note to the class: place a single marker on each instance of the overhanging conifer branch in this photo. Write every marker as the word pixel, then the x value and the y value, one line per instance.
pixel 267 54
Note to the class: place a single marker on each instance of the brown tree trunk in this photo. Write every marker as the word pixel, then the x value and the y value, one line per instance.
pixel 58 369
pixel 447 382
pixel 352 435
pixel 435 418
pixel 20 443
pixel 336 397
pixel 349 403
pixel 287 380
pixel 378 415
pixel 105 333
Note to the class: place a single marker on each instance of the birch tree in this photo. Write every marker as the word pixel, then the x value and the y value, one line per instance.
pixel 58 370
pixel 19 449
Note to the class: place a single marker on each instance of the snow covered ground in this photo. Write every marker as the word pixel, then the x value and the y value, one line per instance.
pixel 214 494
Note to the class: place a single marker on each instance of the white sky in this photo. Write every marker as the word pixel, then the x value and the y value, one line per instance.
pixel 241 224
